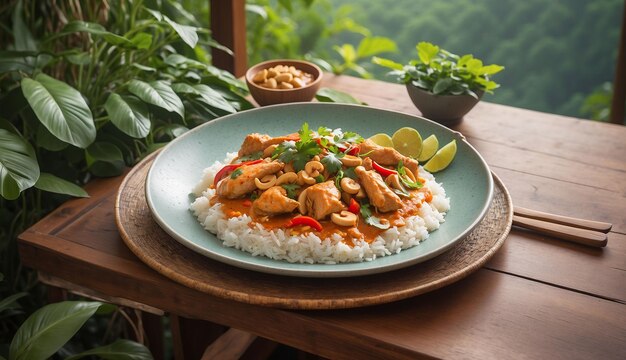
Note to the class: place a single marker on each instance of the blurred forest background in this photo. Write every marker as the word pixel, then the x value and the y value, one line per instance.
pixel 556 53
pixel 559 55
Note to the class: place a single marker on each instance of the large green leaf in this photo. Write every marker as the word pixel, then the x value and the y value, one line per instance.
pixel 19 169
pixel 427 51
pixel 49 328
pixel 157 93
pixel 17 60
pixel 61 109
pixel 24 39
pixel 104 159
pixel 207 95
pixel 119 350
pixel 387 63
pixel 51 183
pixel 46 140
pixel 97 30
pixel 370 46
pixel 10 301
pixel 129 114
pixel 187 33
pixel 331 95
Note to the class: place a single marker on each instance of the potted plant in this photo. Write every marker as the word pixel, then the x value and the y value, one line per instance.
pixel 442 85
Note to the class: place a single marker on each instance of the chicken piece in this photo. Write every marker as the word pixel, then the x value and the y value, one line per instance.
pixel 377 191
pixel 258 142
pixel 388 156
pixel 274 201
pixel 322 200
pixel 244 183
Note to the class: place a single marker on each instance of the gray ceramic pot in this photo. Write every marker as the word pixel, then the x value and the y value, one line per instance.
pixel 444 109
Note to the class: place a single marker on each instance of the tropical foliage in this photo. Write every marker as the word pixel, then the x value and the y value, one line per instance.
pixel 443 73
pixel 87 89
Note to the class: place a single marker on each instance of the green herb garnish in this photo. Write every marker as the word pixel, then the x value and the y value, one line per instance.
pixel 291 189
pixel 370 219
pixel 254 156
pixel 406 180
pixel 332 163
pixel 236 173
pixel 299 152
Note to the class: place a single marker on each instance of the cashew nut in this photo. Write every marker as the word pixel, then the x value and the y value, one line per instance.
pixel 361 194
pixel 266 182
pixel 410 174
pixel 287 178
pixel 288 168
pixel 350 186
pixel 393 181
pixel 305 179
pixel 316 158
pixel 345 218
pixel 313 168
pixel 302 202
pixel 351 161
pixel 269 150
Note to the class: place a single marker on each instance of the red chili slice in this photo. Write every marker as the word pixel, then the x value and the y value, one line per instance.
pixel 230 168
pixel 354 150
pixel 305 220
pixel 354 207
pixel 383 170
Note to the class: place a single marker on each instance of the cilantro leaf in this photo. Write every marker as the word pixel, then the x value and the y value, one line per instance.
pixel 406 180
pixel 254 156
pixel 332 163
pixel 371 219
pixel 235 174
pixel 352 137
pixel 324 131
pixel 305 133
pixel 291 189
pixel 349 172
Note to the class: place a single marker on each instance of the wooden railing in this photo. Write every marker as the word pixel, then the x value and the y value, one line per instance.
pixel 228 25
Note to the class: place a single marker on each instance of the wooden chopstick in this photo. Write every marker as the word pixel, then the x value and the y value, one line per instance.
pixel 581 231
pixel 565 220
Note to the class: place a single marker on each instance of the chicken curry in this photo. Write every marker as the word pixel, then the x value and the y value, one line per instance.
pixel 325 181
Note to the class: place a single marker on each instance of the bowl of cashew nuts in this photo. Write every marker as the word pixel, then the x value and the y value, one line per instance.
pixel 283 81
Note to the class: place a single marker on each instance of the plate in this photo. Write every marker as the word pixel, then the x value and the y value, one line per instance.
pixel 179 166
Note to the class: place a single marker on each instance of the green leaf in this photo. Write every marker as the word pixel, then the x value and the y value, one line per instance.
pixel 119 350
pixel 49 328
pixel 370 46
pixel 387 63
pixel 9 302
pixel 97 30
pixel 142 40
pixel 51 183
pixel 19 169
pixel 104 159
pixel 474 66
pixel 332 163
pixel 129 114
pixel 286 4
pixel 187 33
pixel 80 58
pixel 46 140
pixel 17 60
pixel 291 189
pixel 347 52
pixel 331 95
pixel 213 98
pixel 157 93
pixel 427 51
pixel 61 109
pixel 442 85
pixel 24 39
pixel 491 69
pixel 157 15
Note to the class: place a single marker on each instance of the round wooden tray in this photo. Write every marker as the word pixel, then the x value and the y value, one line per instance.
pixel 167 256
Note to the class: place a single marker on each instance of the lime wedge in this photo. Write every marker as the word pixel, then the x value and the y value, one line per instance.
pixel 407 141
pixel 429 148
pixel 442 158
pixel 382 140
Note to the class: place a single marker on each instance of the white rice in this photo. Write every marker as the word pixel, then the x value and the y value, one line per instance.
pixel 309 248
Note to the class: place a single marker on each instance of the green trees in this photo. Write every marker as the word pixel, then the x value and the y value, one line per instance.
pixel 556 53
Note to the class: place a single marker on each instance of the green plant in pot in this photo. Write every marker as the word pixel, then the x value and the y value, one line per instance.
pixel 442 85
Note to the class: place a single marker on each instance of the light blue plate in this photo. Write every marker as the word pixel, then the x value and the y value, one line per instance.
pixel 179 166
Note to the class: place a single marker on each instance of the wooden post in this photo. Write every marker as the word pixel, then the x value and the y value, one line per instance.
pixel 228 27
pixel 619 85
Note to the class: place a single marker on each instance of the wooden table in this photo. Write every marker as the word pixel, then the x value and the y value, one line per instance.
pixel 538 298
